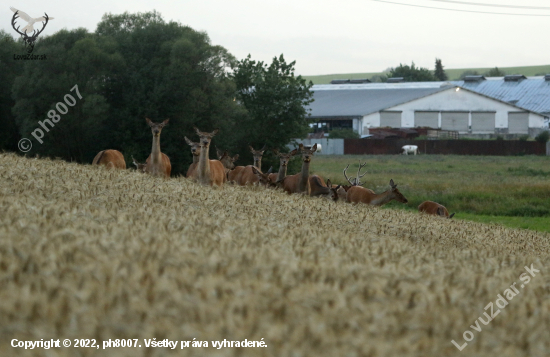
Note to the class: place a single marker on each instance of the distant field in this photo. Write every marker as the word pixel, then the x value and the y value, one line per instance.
pixel 98 255
pixel 481 188
pixel 453 74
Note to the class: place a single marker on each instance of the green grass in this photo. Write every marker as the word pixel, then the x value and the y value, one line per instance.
pixel 511 190
pixel 453 74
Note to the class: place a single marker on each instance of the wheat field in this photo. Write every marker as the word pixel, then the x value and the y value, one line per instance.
pixel 88 253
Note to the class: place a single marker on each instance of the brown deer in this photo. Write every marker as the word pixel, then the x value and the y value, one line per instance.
pixel 227 161
pixel 283 163
pixel 208 172
pixel 139 167
pixel 157 164
pixel 329 191
pixel 434 208
pixel 196 152
pixel 357 194
pixel 299 183
pixel 110 159
pixel 263 179
pixel 247 176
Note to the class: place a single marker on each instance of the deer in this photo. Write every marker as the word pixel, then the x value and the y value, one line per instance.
pixel 139 167
pixel 283 163
pixel 157 164
pixel 246 175
pixel 328 191
pixel 196 152
pixel 208 172
pixel 358 194
pixel 430 207
pixel 299 183
pixel 227 161
pixel 263 179
pixel 112 159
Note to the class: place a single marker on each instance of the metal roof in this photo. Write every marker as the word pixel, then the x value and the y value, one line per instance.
pixel 357 103
pixel 532 94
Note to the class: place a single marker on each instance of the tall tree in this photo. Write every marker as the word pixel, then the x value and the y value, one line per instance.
pixel 494 72
pixel 412 73
pixel 276 102
pixel 439 72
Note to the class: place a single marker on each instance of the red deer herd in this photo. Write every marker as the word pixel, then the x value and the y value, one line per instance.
pixel 218 172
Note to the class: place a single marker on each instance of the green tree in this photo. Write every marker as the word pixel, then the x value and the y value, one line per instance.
pixel 276 102
pixel 343 134
pixel 468 73
pixel 412 73
pixel 494 72
pixel 439 72
pixel 9 70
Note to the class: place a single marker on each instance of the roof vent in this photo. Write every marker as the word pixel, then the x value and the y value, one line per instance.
pixel 359 81
pixel 339 81
pixel 514 78
pixel 474 78
pixel 547 77
pixel 395 80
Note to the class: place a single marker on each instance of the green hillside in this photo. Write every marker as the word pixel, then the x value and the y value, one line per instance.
pixel 453 74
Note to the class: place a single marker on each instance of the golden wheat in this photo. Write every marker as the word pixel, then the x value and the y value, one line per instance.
pixel 101 254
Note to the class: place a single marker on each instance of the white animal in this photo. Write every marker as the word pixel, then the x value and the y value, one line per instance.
pixel 31 21
pixel 409 149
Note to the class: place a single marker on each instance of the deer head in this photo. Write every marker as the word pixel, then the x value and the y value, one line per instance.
pixel 307 154
pixel 264 178
pixel 397 195
pixel 139 167
pixel 356 181
pixel 156 128
pixel 284 158
pixel 195 147
pixel 205 137
pixel 227 161
pixel 29 40
pixel 257 155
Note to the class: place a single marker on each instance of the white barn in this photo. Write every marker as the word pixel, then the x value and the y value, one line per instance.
pixel 458 106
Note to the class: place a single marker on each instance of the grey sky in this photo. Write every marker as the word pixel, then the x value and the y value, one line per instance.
pixel 348 36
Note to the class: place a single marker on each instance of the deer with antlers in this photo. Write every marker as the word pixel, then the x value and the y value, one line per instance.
pixel 246 175
pixel 358 194
pixel 111 159
pixel 430 207
pixel 299 183
pixel 208 172
pixel 283 164
pixel 157 164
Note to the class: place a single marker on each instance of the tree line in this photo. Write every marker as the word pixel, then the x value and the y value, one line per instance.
pixel 136 66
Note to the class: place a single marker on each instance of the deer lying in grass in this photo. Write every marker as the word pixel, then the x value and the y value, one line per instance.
pixel 299 183
pixel 359 194
pixel 263 179
pixel 208 172
pixel 283 164
pixel 157 164
pixel 139 167
pixel 196 152
pixel 329 191
pixel 434 208
pixel 110 159
pixel 227 161
pixel 247 176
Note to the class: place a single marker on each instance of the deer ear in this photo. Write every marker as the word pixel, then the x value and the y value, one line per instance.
pixel 392 184
pixel 251 148
pixel 214 132
pixel 270 170
pixel 197 130
pixel 314 148
pixel 189 142
pixel 164 123
pixel 452 215
pixel 149 122
pixel 329 185
pixel 255 171
pixel 293 152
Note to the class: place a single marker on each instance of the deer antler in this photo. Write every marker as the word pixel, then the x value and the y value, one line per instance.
pixel 357 180
pixel 346 176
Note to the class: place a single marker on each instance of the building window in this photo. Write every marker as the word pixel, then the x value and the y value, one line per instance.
pixel 426 119
pixel 456 121
pixel 518 123
pixel 483 122
pixel 391 119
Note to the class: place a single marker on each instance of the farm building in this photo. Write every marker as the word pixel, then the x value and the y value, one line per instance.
pixel 477 106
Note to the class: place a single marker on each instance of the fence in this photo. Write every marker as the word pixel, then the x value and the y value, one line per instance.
pixel 446 147
pixel 328 146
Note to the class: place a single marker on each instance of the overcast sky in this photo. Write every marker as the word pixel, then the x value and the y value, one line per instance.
pixel 347 36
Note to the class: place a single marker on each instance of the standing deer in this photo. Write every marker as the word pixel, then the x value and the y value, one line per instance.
pixel 283 164
pixel 247 176
pixel 196 152
pixel 110 158
pixel 299 183
pixel 434 208
pixel 208 172
pixel 139 167
pixel 157 164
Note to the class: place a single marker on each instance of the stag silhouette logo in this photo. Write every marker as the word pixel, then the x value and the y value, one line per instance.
pixel 25 31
